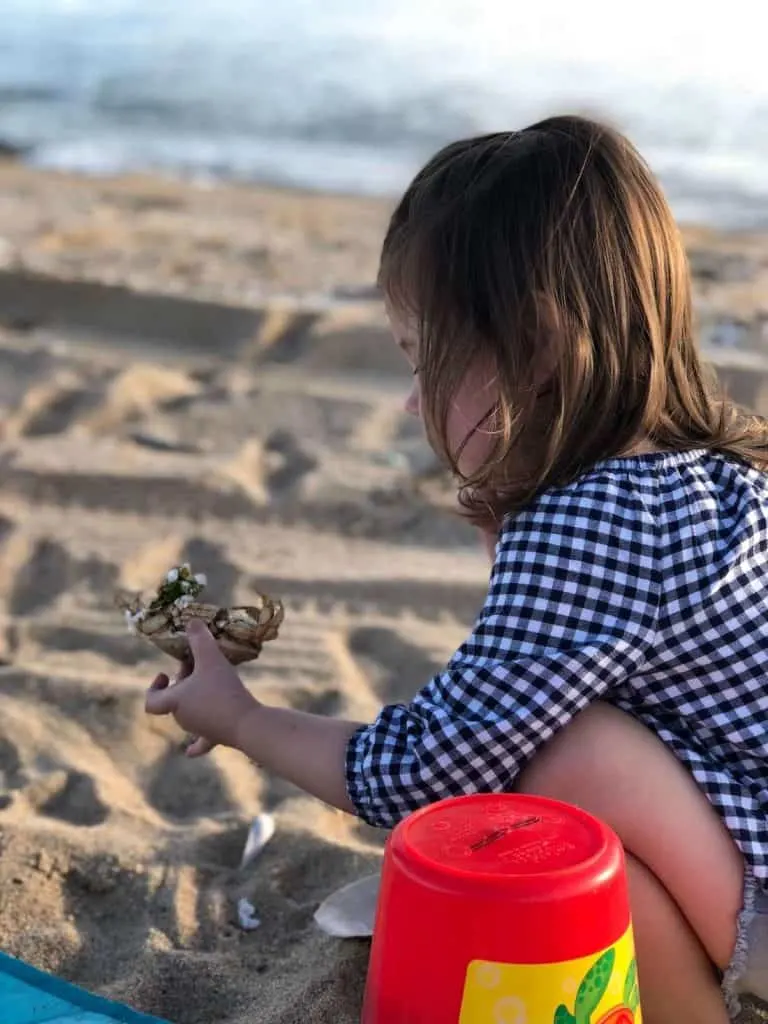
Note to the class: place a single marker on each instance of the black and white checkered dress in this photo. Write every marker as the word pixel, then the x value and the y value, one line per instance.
pixel 645 584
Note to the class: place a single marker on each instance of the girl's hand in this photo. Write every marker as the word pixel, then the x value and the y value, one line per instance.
pixel 208 698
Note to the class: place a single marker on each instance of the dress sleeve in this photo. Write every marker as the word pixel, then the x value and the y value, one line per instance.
pixel 570 614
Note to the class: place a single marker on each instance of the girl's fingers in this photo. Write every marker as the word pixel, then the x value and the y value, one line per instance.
pixel 187 667
pixel 204 649
pixel 199 746
pixel 161 699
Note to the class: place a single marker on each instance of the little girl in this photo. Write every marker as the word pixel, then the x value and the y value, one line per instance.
pixel 538 286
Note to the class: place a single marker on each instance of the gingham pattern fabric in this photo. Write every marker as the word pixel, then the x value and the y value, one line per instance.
pixel 644 583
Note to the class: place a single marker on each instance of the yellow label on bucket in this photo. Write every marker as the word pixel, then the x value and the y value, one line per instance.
pixel 597 989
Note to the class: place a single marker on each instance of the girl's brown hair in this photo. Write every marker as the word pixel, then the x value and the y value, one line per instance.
pixel 551 254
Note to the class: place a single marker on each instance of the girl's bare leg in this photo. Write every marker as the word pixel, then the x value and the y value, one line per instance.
pixel 685 871
pixel 677 981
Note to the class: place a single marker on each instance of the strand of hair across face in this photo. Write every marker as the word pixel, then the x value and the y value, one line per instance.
pixel 493 409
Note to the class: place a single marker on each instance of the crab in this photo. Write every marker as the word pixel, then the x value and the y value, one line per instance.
pixel 240 631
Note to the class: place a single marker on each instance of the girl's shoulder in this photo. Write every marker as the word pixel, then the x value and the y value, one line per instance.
pixel 628 537
pixel 649 491
pixel 698 473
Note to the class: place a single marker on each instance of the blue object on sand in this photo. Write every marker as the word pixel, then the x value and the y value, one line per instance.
pixel 30 996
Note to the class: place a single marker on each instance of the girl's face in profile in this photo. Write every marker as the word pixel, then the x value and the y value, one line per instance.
pixel 470 414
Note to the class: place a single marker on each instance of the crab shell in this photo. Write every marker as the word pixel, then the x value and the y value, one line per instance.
pixel 239 632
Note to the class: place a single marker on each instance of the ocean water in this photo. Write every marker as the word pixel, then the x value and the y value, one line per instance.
pixel 354 95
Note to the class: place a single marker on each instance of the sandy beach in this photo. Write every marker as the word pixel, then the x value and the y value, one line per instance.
pixel 204 374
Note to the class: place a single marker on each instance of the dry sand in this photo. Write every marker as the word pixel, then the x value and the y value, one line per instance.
pixel 265 445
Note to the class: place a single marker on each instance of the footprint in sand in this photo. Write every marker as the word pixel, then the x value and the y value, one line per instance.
pixel 21 370
pixel 41 578
pixel 100 576
pixel 396 668
pixel 326 702
pixel 211 559
pixel 69 796
pixel 99 887
pixel 11 773
pixel 309 868
pixel 331 420
pixel 185 985
pixel 184 789
pixel 293 463
pixel 119 648
pixel 221 849
pixel 7 527
pixel 43 570
pixel 54 410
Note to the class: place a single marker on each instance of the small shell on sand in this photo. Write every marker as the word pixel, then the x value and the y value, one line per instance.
pixel 350 912
pixel 261 831
pixel 246 915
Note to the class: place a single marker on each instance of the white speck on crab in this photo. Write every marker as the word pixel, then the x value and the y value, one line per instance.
pixel 187 566
pixel 186 585
pixel 172 576
pixel 246 915
pixel 202 579
pixel 133 619
pixel 184 601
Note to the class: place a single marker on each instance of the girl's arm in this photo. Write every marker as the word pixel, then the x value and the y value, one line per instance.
pixel 307 750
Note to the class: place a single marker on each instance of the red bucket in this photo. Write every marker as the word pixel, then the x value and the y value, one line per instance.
pixel 502 909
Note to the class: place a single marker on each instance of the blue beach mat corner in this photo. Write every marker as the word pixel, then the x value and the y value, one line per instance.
pixel 31 996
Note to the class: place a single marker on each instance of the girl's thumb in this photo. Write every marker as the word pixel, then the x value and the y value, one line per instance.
pixel 201 643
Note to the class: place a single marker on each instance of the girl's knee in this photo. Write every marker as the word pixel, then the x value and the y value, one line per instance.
pixel 579 753
pixel 612 766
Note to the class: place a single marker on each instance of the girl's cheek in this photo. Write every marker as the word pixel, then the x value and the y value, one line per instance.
pixel 413 401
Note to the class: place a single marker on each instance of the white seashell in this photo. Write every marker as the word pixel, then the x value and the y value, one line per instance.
pixel 246 915
pixel 350 912
pixel 259 834
pixel 172 575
